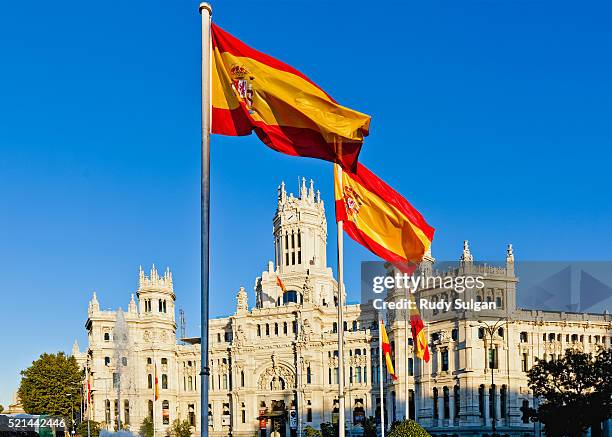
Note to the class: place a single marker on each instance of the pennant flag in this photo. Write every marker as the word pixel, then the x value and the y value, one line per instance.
pixel 252 91
pixel 418 335
pixel 279 282
pixel 156 385
pixel 386 348
pixel 379 218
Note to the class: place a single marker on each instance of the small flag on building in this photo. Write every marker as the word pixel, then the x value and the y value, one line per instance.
pixel 280 283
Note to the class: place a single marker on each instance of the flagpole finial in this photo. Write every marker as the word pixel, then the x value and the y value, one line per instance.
pixel 207 6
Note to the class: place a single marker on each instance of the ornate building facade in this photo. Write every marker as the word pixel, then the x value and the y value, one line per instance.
pixel 274 367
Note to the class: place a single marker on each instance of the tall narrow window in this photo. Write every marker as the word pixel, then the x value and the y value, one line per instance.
pixel 444 360
pixel 435 403
pixel 308 411
pixel 164 381
pixel 308 375
pixel 107 411
pixel 481 400
pixel 446 406
pixel 165 413
pixel 159 306
pixel 151 410
pixel 456 394
pixel 503 400
pixel 524 362
pixel 242 378
pixel 299 247
pixel 126 412
pixel 150 380
pixel 410 367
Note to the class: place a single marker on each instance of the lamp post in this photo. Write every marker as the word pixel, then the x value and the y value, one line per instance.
pixel 491 330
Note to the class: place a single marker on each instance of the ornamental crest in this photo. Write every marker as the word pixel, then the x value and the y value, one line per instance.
pixel 352 203
pixel 242 83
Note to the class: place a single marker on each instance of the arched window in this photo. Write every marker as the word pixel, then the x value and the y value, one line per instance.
pixel 446 406
pixel 107 361
pixel 435 403
pixel 190 383
pixel 150 380
pixel 267 329
pixel 164 381
pixel 276 329
pixel 290 296
pixel 106 336
pixel 456 394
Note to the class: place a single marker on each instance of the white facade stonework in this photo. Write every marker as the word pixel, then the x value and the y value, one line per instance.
pixel 281 355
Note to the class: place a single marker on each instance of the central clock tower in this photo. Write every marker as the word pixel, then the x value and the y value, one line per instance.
pixel 299 228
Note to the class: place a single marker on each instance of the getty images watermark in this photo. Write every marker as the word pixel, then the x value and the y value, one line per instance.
pixel 411 283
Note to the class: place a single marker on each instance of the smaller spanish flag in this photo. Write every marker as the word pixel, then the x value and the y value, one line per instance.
pixel 156 384
pixel 418 334
pixel 279 282
pixel 386 349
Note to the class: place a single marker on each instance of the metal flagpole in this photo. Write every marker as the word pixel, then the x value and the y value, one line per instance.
pixel 341 419
pixel 205 12
pixel 406 360
pixel 88 400
pixel 380 379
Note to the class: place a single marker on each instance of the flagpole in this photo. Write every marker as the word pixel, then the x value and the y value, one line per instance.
pixel 406 329
pixel 88 399
pixel 341 405
pixel 205 12
pixel 380 379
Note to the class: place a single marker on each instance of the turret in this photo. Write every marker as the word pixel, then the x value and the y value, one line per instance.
pixel 156 293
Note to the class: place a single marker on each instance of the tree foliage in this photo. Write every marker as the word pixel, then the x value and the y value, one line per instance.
pixel 329 429
pixel 369 427
pixel 309 431
pixel 576 392
pixel 51 385
pixel 94 428
pixel 146 428
pixel 180 428
pixel 407 428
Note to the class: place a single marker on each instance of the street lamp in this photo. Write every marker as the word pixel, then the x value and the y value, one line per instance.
pixel 491 330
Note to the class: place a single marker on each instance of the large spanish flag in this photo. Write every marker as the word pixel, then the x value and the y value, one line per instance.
pixel 379 218
pixel 386 349
pixel 252 91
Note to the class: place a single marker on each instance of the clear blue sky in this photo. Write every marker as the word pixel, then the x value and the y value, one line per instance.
pixel 491 117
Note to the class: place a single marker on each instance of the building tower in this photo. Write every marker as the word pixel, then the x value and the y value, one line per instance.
pixel 300 259
pixel 156 301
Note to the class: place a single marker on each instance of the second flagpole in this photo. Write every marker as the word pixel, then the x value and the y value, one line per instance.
pixel 341 406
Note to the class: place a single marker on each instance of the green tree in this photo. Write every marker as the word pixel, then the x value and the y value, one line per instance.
pixel 94 428
pixel 369 427
pixel 407 428
pixel 146 428
pixel 1 408
pixel 329 429
pixel 575 392
pixel 51 385
pixel 309 431
pixel 180 428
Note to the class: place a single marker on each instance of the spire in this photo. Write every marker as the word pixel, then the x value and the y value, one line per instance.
pixel 75 348
pixel 311 193
pixel 466 256
pixel 132 305
pixel 282 192
pixel 94 305
pixel 303 191
pixel 509 254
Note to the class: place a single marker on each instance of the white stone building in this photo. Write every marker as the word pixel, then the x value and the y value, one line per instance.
pixel 279 360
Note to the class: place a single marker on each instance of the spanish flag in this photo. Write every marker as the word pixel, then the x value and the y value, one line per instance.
pixel 252 91
pixel 280 283
pixel 156 389
pixel 379 218
pixel 418 334
pixel 386 349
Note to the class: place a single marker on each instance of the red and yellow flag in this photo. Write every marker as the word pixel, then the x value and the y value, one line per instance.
pixel 418 335
pixel 252 91
pixel 379 218
pixel 156 389
pixel 386 349
pixel 280 283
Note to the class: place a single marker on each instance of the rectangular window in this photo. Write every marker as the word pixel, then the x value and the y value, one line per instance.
pixel 410 367
pixel 445 360
pixel 150 380
pixel 525 363
pixel 493 358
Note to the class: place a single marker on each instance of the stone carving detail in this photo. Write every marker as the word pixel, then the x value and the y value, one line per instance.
pixel 272 376
pixel 306 331
pixel 307 290
pixel 240 337
pixel 242 301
